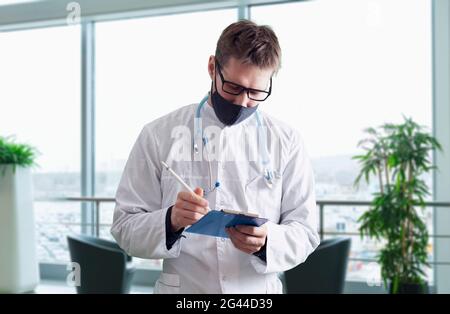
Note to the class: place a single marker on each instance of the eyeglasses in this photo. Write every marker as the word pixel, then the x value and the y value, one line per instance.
pixel 236 89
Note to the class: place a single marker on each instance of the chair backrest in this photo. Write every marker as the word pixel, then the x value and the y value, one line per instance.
pixel 323 271
pixel 103 265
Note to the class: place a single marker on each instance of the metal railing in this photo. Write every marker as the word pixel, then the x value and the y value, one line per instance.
pixel 320 203
pixel 95 218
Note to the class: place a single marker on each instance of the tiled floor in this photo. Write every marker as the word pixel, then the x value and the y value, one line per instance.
pixel 60 287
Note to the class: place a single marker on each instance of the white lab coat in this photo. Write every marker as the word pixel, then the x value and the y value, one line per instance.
pixel 204 264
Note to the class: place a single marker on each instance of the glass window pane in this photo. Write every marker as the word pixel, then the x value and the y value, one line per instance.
pixel 40 102
pixel 146 68
pixel 348 65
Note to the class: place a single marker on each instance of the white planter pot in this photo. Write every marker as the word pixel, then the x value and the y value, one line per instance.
pixel 19 270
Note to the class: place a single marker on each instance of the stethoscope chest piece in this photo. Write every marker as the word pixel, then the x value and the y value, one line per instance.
pixel 268 178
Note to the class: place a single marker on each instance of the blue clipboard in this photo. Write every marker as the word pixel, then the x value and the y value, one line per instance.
pixel 215 222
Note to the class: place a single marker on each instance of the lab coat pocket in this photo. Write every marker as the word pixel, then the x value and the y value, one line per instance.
pixel 167 283
pixel 262 199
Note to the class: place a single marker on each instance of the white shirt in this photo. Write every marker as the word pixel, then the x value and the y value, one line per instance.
pixel 204 264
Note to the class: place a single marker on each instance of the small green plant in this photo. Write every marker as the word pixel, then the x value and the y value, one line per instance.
pixel 398 155
pixel 16 154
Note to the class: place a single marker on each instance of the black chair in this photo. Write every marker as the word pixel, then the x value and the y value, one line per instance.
pixel 323 271
pixel 104 266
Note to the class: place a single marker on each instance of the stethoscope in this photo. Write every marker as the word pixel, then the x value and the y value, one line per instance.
pixel 268 173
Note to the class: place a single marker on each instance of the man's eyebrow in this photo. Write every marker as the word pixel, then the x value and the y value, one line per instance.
pixel 234 82
pixel 228 79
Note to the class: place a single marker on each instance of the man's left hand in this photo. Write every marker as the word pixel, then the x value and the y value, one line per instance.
pixel 248 239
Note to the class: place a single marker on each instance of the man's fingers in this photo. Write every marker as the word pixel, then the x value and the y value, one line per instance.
pixel 185 205
pixel 193 198
pixel 248 242
pixel 252 230
pixel 244 248
pixel 245 239
pixel 187 221
pixel 199 191
pixel 194 216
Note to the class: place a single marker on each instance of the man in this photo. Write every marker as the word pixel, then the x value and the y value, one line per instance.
pixel 274 180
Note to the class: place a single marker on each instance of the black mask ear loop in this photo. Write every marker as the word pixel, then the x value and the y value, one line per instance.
pixel 211 92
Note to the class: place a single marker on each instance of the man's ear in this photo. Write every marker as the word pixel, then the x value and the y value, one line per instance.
pixel 211 67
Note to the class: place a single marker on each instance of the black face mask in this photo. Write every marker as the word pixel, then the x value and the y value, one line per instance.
pixel 229 113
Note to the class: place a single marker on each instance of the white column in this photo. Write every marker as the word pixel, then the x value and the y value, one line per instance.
pixel 441 123
pixel 88 124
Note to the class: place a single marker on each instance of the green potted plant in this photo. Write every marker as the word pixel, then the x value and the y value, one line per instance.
pixel 15 155
pixel 398 155
pixel 19 267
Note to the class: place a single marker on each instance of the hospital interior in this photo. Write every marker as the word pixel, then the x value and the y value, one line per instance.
pixel 365 82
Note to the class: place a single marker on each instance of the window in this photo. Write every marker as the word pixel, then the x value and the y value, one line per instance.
pixel 40 97
pixel 348 65
pixel 146 68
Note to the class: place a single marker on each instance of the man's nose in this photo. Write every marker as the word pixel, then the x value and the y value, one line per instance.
pixel 243 100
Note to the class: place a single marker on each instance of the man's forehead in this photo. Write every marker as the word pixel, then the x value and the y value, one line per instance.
pixel 245 74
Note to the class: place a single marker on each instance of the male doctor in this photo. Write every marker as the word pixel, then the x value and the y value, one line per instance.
pixel 236 157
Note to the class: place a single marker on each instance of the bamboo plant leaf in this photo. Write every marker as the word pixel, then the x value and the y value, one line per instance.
pixel 397 155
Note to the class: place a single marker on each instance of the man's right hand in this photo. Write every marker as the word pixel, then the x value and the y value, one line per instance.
pixel 188 209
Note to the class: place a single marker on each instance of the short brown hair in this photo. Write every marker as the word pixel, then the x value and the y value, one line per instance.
pixel 250 43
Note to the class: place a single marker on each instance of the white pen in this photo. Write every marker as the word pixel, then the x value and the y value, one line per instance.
pixel 180 180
